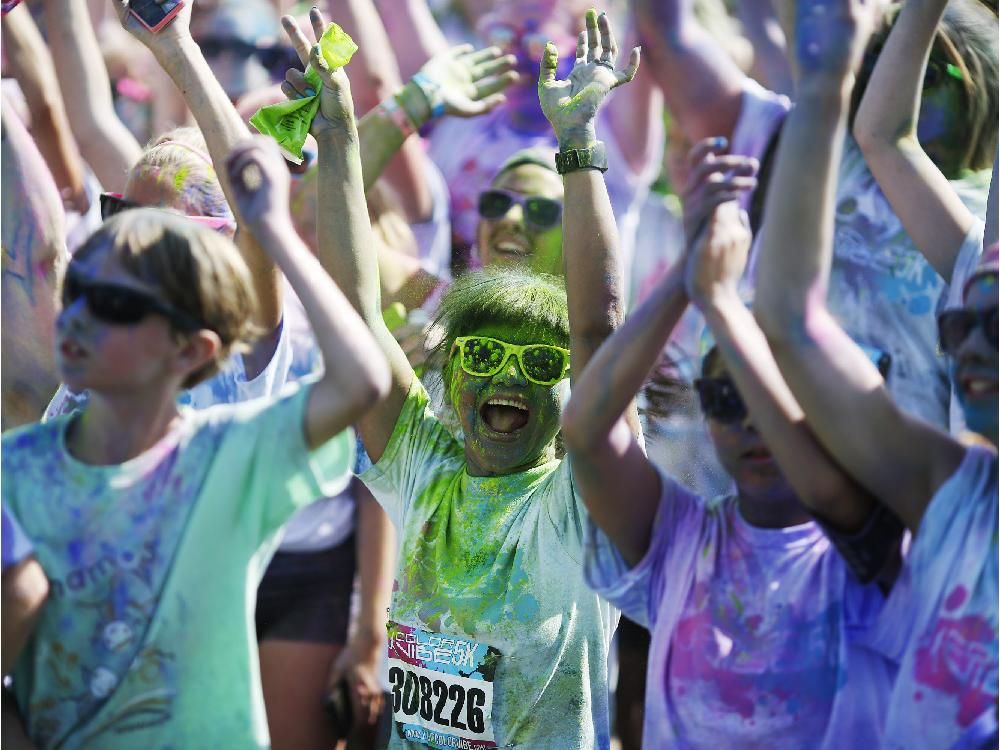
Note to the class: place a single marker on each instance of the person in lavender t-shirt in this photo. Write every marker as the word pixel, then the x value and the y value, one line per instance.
pixel 759 628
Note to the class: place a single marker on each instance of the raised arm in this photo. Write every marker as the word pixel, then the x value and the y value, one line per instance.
pixel 178 54
pixel 413 31
pixel 344 231
pixel 702 87
pixel 899 459
pixel 713 276
pixel 886 129
pixel 355 376
pixel 105 143
pixel 31 64
pixel 608 463
pixel 33 229
pixel 992 212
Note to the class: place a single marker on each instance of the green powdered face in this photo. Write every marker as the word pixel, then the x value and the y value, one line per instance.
pixel 509 422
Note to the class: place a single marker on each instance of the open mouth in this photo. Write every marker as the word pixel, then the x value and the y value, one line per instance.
pixel 504 416
pixel 510 245
pixel 974 387
pixel 70 350
pixel 757 454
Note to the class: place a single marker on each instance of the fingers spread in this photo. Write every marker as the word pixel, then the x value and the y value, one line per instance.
pixel 581 48
pixel 608 44
pixel 704 147
pixel 318 22
pixel 624 76
pixel 494 84
pixel 298 39
pixel 461 49
pixel 485 55
pixel 550 61
pixel 593 39
pixel 494 67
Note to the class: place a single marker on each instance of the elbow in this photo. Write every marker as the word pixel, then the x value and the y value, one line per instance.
pixel 574 430
pixel 377 381
pixel 783 319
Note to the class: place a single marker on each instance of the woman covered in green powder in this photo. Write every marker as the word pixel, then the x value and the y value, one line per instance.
pixel 495 639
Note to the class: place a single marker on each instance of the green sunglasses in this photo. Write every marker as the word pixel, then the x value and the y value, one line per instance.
pixel 482 356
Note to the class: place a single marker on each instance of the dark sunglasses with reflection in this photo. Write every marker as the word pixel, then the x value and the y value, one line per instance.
pixel 955 326
pixel 276 58
pixel 114 203
pixel 722 402
pixel 539 213
pixel 119 305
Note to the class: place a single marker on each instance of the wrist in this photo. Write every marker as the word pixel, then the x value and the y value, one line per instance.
pixel 178 52
pixel 576 138
pixel 716 296
pixel 413 102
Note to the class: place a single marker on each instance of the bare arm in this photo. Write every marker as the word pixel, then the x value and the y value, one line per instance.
pixel 34 256
pixel 356 375
pixel 702 87
pixel 361 657
pixel 899 459
pixel 31 64
pixel 106 144
pixel 770 58
pixel 223 128
pixel 345 234
pixel 886 129
pixel 375 75
pixel 413 32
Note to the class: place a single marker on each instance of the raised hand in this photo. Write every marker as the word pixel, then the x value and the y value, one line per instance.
pixel 715 177
pixel 717 261
pixel 831 35
pixel 470 82
pixel 571 105
pixel 336 106
pixel 164 40
pixel 260 185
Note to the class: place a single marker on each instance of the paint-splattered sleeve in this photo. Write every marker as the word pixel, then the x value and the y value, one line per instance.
pixel 637 591
pixel 414 456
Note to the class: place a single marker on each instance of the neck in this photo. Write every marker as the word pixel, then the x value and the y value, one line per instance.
pixel 475 468
pixel 772 512
pixel 116 429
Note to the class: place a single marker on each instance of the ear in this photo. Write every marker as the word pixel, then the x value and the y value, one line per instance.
pixel 197 350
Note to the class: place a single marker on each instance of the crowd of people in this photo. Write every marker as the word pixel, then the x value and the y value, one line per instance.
pixel 583 379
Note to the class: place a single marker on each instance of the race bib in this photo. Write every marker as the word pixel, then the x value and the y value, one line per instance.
pixel 442 688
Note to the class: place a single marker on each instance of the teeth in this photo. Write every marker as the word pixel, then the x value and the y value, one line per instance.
pixel 508 247
pixel 505 402
pixel 978 386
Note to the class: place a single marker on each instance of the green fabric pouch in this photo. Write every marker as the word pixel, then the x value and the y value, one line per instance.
pixel 289 122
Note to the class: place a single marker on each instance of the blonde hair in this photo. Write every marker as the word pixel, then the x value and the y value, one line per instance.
pixel 180 157
pixel 198 271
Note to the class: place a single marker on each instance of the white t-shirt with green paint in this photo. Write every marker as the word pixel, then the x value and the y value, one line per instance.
pixel 498 560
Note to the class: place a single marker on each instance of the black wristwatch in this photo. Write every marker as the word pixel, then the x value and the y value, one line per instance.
pixel 592 157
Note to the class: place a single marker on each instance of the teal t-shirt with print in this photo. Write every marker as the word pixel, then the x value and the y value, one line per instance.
pixel 147 639
pixel 499 560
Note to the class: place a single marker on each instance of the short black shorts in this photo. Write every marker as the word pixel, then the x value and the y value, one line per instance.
pixel 306 596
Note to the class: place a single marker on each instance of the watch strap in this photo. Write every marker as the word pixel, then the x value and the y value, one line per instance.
pixel 593 156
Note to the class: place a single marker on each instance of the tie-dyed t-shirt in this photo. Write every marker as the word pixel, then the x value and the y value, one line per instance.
pixel 499 560
pixel 941 618
pixel 882 290
pixel 757 634
pixel 147 638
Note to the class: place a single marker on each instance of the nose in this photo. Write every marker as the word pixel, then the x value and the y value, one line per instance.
pixel 747 424
pixel 510 373
pixel 974 345
pixel 72 316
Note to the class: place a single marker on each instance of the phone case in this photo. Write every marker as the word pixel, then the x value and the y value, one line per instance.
pixel 166 19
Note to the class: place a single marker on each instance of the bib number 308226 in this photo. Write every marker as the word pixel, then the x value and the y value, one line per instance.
pixel 442 688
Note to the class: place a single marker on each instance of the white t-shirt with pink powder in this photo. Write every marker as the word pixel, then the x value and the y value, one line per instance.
pixel 758 635
pixel 941 621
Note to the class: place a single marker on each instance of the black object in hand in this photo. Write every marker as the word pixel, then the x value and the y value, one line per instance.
pixel 338 708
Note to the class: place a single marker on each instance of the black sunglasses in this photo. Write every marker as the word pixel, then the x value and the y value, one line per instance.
pixel 540 213
pixel 720 400
pixel 121 305
pixel 276 58
pixel 954 327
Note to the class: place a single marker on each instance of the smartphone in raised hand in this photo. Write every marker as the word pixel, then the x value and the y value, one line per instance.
pixel 155 14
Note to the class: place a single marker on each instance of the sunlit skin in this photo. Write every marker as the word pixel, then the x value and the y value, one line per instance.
pixel 112 358
pixel 974 370
pixel 509 239
pixel 765 497
pixel 492 453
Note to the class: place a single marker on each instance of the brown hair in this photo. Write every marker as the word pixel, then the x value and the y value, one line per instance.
pixel 199 272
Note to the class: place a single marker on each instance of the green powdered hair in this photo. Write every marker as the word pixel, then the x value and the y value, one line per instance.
pixel 503 295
